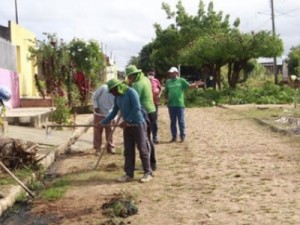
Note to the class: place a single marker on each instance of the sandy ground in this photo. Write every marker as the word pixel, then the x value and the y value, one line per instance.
pixel 229 171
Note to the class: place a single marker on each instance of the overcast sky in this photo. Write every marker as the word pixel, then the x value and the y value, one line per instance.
pixel 123 27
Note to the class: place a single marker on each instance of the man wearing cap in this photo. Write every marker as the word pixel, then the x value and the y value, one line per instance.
pixel 134 128
pixel 142 85
pixel 156 92
pixel 174 93
pixel 103 102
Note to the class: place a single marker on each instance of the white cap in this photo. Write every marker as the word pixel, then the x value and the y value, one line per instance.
pixel 173 70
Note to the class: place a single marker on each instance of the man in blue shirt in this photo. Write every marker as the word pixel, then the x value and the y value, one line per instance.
pixel 135 128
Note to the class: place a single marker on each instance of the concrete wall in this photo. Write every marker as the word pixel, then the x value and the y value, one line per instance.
pixel 8 59
pixel 36 102
pixel 23 39
pixel 10 80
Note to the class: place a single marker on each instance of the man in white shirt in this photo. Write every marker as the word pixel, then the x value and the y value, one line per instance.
pixel 103 102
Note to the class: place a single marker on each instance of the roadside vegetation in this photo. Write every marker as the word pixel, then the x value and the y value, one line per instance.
pixel 254 91
pixel 57 189
pixel 22 174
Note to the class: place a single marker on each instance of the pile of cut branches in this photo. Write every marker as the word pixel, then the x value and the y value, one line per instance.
pixel 16 153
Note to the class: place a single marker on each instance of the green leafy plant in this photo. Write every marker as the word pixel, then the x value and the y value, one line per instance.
pixel 56 191
pixel 62 113
pixel 265 92
pixel 121 205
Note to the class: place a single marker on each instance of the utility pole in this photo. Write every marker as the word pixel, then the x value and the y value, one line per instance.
pixel 16 11
pixel 274 33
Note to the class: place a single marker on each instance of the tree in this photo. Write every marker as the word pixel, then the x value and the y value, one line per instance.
pixel 59 64
pixel 87 61
pixel 134 60
pixel 208 40
pixel 240 48
pixel 294 60
pixel 144 57
pixel 52 58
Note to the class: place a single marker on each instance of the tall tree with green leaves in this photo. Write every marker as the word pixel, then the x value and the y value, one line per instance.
pixel 208 40
pixel 242 47
pixel 172 44
pixel 87 60
pixel 58 61
pixel 52 58
pixel 294 60
pixel 144 57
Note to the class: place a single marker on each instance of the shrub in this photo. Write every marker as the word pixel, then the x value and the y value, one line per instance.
pixel 262 93
pixel 62 113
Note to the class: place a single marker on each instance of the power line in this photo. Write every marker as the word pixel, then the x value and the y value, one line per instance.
pixel 262 24
pixel 287 13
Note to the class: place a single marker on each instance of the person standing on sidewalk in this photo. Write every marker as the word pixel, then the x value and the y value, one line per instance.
pixel 142 85
pixel 103 102
pixel 134 128
pixel 174 94
pixel 156 92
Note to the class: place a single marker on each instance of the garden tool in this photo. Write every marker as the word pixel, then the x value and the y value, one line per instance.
pixel 106 145
pixel 16 179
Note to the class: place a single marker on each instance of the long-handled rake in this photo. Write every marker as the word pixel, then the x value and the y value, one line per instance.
pixel 107 141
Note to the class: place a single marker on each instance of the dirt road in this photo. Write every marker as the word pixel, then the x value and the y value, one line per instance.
pixel 229 171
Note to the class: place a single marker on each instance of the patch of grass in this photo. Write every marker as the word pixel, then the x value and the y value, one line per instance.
pixel 21 197
pixel 36 185
pixel 101 174
pixel 57 190
pixel 6 179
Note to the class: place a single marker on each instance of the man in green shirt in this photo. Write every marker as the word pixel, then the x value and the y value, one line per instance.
pixel 142 85
pixel 174 93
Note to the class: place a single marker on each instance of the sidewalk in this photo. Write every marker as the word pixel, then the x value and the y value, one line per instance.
pixel 32 117
pixel 49 145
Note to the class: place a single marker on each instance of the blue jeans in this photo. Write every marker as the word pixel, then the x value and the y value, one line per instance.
pixel 177 114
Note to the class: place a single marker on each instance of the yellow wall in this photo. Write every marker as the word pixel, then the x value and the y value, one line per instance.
pixel 23 39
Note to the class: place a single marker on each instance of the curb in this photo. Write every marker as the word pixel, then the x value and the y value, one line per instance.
pixel 15 190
